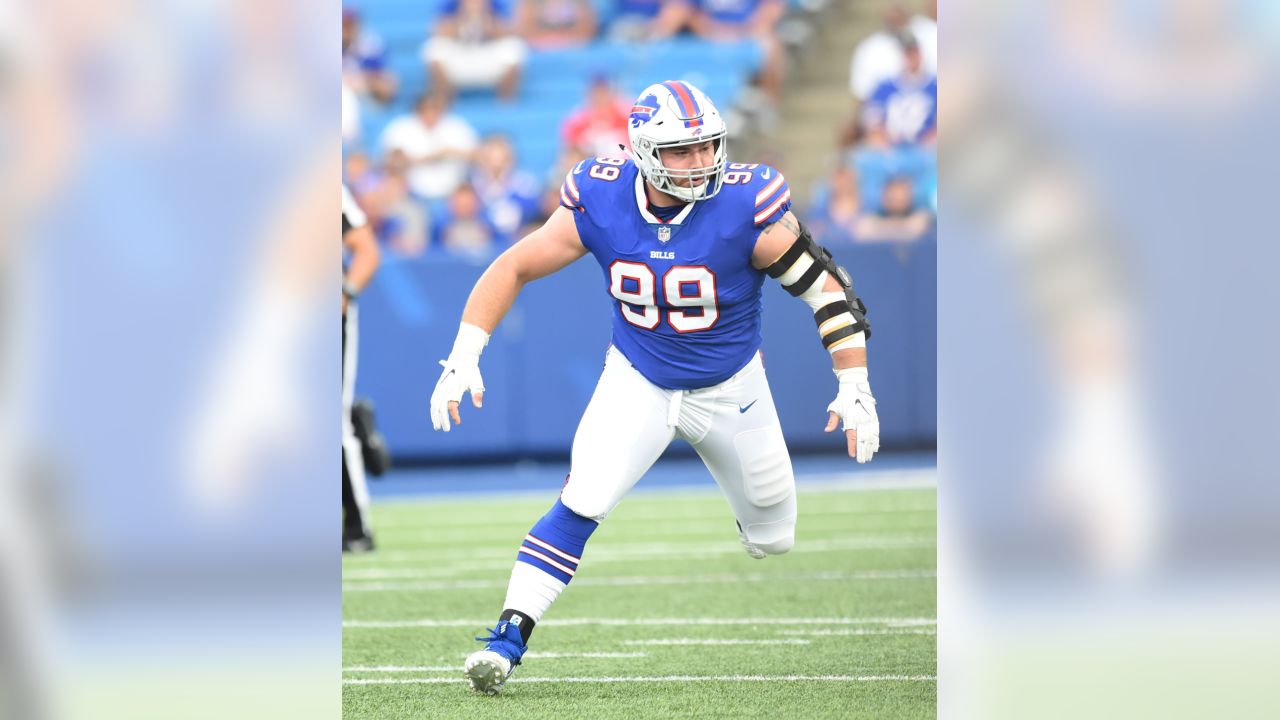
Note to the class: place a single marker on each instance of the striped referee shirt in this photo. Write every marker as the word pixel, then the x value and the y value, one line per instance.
pixel 352 215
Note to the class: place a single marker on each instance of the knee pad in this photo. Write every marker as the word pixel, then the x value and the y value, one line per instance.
pixel 778 546
pixel 766 466
pixel 583 504
pixel 773 538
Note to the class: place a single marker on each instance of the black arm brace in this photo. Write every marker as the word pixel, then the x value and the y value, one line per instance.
pixel 822 260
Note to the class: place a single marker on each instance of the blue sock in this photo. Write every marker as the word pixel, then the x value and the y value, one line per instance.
pixel 555 543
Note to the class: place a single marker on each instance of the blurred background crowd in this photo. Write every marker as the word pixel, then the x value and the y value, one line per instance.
pixel 461 117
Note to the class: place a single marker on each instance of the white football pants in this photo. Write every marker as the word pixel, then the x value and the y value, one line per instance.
pixel 733 426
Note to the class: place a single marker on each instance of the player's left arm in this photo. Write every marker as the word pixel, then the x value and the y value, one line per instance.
pixel 788 253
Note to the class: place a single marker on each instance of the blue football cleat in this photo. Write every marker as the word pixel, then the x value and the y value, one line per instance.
pixel 487 670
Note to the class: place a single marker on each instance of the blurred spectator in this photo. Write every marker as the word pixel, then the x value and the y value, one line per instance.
pixel 897 218
pixel 364 61
pixel 547 204
pixel 549 192
pixel 510 196
pixel 835 215
pixel 362 179
pixel 599 126
pixel 551 24
pixel 400 222
pixel 735 20
pixel 473 47
pixel 463 227
pixel 925 30
pixel 879 57
pixel 904 110
pixel 436 144
pixel 641 21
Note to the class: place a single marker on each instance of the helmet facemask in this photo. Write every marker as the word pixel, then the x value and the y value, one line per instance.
pixel 679 183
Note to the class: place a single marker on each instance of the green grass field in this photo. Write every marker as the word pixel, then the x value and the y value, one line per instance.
pixel 667 617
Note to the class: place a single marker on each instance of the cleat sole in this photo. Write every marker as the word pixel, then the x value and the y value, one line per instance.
pixel 485 676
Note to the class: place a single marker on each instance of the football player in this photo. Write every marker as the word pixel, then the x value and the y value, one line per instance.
pixel 685 240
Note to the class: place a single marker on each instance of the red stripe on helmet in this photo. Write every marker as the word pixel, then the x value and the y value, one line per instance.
pixel 687 104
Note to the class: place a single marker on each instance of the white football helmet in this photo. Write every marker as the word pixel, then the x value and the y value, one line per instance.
pixel 674 113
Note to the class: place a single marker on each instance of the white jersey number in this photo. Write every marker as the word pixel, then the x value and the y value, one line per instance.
pixel 691 286
pixel 632 283
pixel 606 168
pixel 684 286
pixel 740 173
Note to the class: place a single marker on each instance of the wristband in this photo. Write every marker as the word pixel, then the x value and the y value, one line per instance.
pixel 470 341
pixel 852 375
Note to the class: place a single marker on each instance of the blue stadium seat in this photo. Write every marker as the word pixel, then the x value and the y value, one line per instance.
pixel 413 76
pixel 383 13
pixel 403 40
pixel 373 120
pixel 554 82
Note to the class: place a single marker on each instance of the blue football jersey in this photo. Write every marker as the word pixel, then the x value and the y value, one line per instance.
pixel 908 109
pixel 686 300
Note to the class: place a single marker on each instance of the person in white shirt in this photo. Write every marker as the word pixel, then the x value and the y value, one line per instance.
pixel 473 47
pixel 879 56
pixel 438 146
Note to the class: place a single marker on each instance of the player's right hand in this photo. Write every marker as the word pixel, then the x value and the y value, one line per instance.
pixel 461 374
pixel 855 405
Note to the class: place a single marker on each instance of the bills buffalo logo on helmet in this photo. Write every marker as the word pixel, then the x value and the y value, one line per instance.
pixel 642 112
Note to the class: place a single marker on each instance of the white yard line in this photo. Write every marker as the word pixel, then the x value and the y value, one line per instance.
pixel 400 668
pixel 689 529
pixel 421 573
pixel 659 679
pixel 712 641
pixel 843 632
pixel 560 656
pixel 372 566
pixel 650 580
pixel 414 574
pixel 862 480
pixel 458 667
pixel 660 622
pixel 424 586
pixel 433 519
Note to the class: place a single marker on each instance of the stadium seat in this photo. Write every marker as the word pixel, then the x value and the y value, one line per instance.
pixel 554 82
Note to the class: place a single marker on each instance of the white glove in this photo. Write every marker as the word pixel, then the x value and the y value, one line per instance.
pixel 461 374
pixel 857 408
